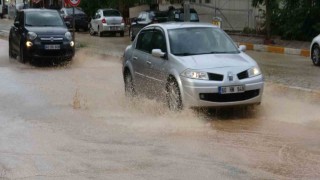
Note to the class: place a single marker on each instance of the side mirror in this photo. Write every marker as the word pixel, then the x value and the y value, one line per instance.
pixel 16 24
pixel 158 53
pixel 243 48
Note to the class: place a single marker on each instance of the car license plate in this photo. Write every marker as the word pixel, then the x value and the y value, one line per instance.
pixel 52 46
pixel 114 28
pixel 231 89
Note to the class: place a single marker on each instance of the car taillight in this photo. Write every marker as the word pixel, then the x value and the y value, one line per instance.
pixel 104 21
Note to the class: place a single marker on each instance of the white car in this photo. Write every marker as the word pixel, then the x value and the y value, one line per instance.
pixel 191 65
pixel 107 21
pixel 315 51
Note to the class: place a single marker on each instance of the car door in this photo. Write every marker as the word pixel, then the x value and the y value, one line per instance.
pixel 157 72
pixel 140 56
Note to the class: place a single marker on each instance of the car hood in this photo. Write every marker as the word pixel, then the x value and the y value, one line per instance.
pixel 48 30
pixel 209 61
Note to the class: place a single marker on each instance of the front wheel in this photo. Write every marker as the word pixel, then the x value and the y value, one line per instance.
pixel 128 85
pixel 316 55
pixel 11 55
pixel 173 96
pixel 23 57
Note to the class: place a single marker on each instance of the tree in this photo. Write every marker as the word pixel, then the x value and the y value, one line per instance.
pixel 270 6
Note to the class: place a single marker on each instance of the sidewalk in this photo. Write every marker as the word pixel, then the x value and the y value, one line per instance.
pixel 280 46
pixel 255 43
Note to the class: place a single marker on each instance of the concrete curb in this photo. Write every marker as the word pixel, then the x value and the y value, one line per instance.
pixel 276 49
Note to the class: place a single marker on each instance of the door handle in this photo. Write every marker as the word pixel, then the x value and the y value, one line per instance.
pixel 135 58
pixel 148 62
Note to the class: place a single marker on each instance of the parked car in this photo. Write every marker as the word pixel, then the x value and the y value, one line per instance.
pixel 177 15
pixel 191 65
pixel 144 19
pixel 315 50
pixel 40 34
pixel 107 21
pixel 81 19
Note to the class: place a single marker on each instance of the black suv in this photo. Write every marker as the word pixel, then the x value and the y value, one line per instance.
pixel 144 19
pixel 81 19
pixel 177 15
pixel 40 34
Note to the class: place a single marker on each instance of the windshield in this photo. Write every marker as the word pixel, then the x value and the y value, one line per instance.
pixel 107 13
pixel 43 19
pixel 200 40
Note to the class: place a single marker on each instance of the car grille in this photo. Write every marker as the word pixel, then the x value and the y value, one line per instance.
pixel 215 77
pixel 216 97
pixel 243 75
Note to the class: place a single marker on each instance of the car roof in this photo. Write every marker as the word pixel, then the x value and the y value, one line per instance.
pixel 178 25
pixel 109 9
pixel 38 10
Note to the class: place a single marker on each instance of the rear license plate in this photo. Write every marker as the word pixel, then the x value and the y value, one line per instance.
pixel 231 89
pixel 114 28
pixel 52 47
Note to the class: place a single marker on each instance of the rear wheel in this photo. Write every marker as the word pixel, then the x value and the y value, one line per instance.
pixel 316 55
pixel 99 32
pixel 128 85
pixel 173 95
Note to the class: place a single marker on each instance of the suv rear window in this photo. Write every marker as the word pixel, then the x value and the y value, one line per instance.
pixel 76 11
pixel 107 13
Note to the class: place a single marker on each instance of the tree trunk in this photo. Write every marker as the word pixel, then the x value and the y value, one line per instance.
pixel 268 19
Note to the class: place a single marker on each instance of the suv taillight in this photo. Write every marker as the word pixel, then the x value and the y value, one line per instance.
pixel 104 21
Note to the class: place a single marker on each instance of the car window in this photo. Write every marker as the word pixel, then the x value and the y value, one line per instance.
pixel 43 19
pixel 76 11
pixel 108 13
pixel 144 42
pixel 204 40
pixel 159 41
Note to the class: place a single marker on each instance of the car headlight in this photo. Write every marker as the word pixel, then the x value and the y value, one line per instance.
pixel 68 36
pixel 31 36
pixel 193 74
pixel 255 71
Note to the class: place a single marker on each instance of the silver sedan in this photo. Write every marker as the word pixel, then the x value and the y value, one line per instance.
pixel 191 65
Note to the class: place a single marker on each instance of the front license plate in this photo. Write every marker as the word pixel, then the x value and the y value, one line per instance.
pixel 52 47
pixel 231 89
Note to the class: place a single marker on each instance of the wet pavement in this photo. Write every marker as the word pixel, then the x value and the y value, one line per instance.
pixel 74 122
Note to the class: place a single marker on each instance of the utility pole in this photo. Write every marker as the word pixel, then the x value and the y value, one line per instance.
pixel 186 7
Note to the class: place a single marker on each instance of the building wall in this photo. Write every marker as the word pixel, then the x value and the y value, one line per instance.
pixel 235 14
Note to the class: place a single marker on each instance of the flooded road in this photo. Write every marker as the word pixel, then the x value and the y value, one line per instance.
pixel 74 122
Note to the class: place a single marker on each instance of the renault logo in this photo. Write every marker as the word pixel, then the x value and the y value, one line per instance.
pixel 230 76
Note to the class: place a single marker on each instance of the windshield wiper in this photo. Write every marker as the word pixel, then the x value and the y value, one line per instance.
pixel 185 54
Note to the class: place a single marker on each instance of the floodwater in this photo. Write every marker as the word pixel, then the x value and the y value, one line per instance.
pixel 74 122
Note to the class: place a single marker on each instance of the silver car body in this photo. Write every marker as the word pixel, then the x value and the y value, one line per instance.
pixel 315 50
pixel 112 23
pixel 151 73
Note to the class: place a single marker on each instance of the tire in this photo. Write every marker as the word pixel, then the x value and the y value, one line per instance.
pixel 315 55
pixel 173 95
pixel 91 31
pixel 11 55
pixel 128 85
pixel 122 34
pixel 23 57
pixel 99 32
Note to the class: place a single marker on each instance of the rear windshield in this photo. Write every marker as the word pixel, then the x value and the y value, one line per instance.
pixel 76 11
pixel 43 19
pixel 107 13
